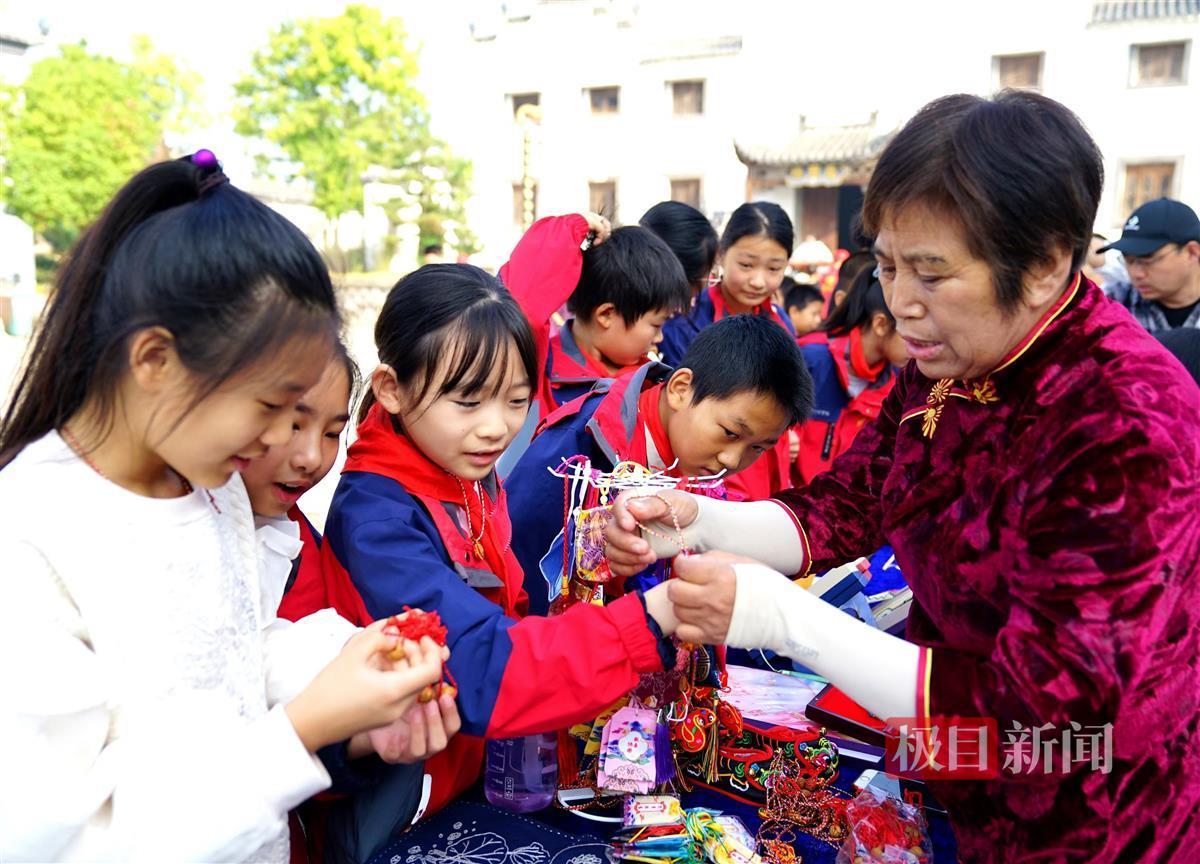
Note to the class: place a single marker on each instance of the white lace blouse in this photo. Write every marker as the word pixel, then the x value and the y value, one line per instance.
pixel 138 718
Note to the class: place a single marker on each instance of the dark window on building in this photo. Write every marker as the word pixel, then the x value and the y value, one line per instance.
pixel 1145 183
pixel 602 198
pixel 687 97
pixel 604 100
pixel 519 99
pixel 687 191
pixel 1155 65
pixel 1022 71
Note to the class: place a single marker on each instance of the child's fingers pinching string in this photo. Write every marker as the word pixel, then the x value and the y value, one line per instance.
pixel 377 638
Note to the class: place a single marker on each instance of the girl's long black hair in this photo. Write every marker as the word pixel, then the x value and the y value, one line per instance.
pixel 180 248
pixel 860 305
pixel 689 234
pixel 759 219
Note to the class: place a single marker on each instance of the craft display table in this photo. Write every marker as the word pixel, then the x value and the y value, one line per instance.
pixel 471 831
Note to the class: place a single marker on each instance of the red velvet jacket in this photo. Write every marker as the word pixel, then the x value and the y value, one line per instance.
pixel 1045 517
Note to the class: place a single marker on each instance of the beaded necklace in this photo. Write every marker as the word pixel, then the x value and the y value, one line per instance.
pixel 476 540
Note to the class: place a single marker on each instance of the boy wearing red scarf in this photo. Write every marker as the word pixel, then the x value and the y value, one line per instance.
pixel 621 287
pixel 740 386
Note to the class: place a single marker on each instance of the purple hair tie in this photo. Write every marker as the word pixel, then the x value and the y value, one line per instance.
pixel 206 161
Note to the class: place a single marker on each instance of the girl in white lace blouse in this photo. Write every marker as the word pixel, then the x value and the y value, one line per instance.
pixel 146 714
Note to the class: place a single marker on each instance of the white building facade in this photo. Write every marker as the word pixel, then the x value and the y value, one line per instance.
pixel 632 111
pixel 640 102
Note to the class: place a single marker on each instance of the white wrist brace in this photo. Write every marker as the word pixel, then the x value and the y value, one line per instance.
pixel 875 669
pixel 762 530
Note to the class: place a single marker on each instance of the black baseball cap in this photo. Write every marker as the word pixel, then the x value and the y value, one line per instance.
pixel 1155 224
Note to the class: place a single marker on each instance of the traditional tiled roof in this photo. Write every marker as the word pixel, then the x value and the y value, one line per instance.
pixel 1107 11
pixel 818 144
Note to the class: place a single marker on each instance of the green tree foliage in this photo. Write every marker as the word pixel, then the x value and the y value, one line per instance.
pixel 78 127
pixel 171 88
pixel 337 98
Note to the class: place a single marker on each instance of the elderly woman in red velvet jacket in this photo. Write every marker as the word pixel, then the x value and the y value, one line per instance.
pixel 1037 470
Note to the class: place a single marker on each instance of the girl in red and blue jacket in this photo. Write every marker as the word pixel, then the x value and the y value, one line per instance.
pixel 419 519
pixel 852 359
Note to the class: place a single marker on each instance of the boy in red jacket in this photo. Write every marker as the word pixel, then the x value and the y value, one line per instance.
pixel 621 287
pixel 740 386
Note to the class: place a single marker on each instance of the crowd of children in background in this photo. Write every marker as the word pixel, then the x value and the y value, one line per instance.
pixel 217 661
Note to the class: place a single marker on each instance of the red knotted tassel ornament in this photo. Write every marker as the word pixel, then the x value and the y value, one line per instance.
pixel 413 625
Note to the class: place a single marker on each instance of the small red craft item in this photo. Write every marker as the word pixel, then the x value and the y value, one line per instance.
pixel 413 625
pixel 884 830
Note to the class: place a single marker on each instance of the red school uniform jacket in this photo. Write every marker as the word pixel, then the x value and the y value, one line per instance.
pixel 847 394
pixel 400 533
pixel 305 592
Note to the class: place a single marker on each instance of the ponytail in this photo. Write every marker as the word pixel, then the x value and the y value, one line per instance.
pixel 689 235
pixel 180 248
pixel 861 304
pixel 758 219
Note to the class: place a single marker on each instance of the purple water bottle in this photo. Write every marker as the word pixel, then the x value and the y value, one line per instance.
pixel 522 773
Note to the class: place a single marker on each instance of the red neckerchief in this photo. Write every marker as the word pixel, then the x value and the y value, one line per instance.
pixel 307 594
pixel 648 408
pixel 380 449
pixel 720 310
pixel 850 358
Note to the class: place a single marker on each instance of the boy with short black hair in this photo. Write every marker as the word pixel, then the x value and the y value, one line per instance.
pixel 805 306
pixel 741 385
pixel 620 285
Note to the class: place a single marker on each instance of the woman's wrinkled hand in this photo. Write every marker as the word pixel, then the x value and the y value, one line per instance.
pixel 627 550
pixel 702 594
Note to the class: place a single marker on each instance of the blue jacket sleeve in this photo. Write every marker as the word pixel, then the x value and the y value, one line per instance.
pixel 678 334
pixel 390 548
